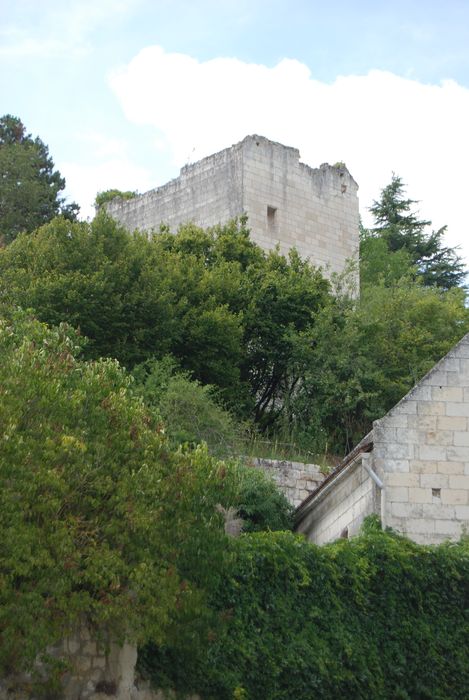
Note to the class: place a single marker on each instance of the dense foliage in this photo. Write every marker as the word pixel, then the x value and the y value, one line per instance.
pixel 30 188
pixel 189 410
pixel 367 353
pixel 110 195
pixel 231 314
pixel 309 364
pixel 375 617
pixel 99 520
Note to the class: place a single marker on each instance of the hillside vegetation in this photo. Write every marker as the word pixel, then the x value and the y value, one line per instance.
pixel 133 370
pixel 291 355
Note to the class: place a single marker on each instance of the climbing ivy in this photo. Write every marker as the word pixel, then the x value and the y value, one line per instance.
pixel 375 617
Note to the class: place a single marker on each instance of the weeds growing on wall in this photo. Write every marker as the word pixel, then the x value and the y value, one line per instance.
pixel 374 617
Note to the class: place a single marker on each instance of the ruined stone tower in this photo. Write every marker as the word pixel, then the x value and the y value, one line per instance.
pixel 287 202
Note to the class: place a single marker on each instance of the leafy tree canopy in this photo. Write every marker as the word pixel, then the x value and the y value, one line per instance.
pixel 30 188
pixel 232 315
pixel 311 365
pixel 190 411
pixel 366 353
pixel 402 231
pixel 99 520
pixel 109 195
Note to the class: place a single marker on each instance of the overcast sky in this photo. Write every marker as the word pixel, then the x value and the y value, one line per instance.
pixel 125 92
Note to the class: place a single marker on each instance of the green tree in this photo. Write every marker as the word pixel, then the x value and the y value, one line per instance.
pixel 232 315
pixel 401 229
pixel 30 188
pixel 189 410
pixel 99 279
pixel 260 503
pixel 99 520
pixel 366 353
pixel 110 195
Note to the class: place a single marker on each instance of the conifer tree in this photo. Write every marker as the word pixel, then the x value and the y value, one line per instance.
pixel 401 229
pixel 30 187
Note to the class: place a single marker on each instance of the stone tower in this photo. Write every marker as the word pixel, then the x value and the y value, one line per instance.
pixel 288 203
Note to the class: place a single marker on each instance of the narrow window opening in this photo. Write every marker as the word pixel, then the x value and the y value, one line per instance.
pixel 436 493
pixel 271 217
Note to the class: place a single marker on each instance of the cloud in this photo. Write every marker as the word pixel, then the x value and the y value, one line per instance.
pixel 85 181
pixel 54 28
pixel 107 165
pixel 377 123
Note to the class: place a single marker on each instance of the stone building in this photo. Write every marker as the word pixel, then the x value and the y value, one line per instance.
pixel 287 202
pixel 412 469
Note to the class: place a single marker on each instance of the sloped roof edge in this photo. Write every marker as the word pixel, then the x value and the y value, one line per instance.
pixel 436 367
pixel 366 444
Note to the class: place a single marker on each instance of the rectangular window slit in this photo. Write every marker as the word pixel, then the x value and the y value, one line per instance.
pixel 271 216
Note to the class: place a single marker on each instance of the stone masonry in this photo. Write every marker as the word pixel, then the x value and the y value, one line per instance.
pixel 412 470
pixel 421 450
pixel 287 202
pixel 295 479
pixel 94 671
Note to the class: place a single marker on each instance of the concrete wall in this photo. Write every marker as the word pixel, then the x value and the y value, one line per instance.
pixel 421 451
pixel 295 479
pixel 342 505
pixel 287 202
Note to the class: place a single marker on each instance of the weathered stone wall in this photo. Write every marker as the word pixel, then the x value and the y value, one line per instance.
pixel 421 451
pixel 287 202
pixel 208 192
pixel 95 672
pixel 296 480
pixel 342 506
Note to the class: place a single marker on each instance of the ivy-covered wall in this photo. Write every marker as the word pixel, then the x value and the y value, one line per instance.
pixel 374 617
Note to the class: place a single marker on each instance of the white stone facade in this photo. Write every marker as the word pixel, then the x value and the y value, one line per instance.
pixel 287 202
pixel 420 454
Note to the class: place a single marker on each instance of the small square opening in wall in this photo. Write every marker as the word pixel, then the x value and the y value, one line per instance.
pixel 271 216
pixel 436 493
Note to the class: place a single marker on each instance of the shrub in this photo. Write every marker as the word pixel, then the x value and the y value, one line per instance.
pixel 99 520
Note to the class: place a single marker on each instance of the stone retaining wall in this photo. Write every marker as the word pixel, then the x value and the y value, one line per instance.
pixel 295 479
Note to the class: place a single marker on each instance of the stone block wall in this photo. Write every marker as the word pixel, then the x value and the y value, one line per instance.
pixel 287 202
pixel 290 204
pixel 93 672
pixel 421 451
pixel 207 193
pixel 342 505
pixel 296 480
